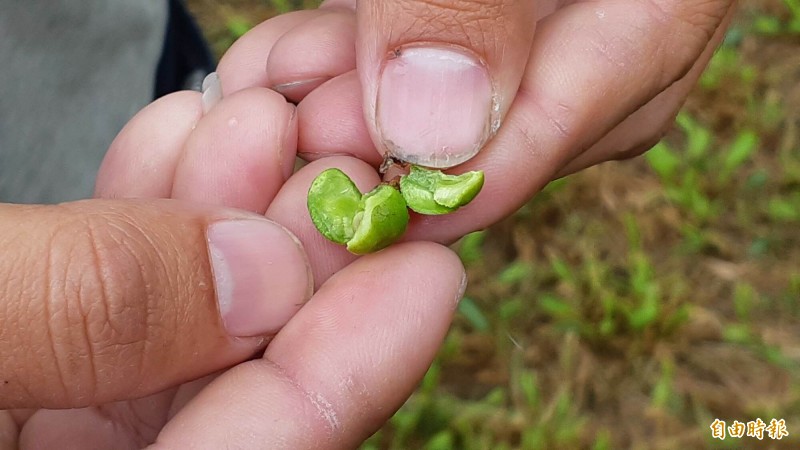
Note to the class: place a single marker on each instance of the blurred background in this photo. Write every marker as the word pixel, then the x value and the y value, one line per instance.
pixel 631 305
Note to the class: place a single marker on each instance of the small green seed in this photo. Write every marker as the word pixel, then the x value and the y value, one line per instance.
pixel 365 223
pixel 432 192
pixel 333 202
pixel 383 221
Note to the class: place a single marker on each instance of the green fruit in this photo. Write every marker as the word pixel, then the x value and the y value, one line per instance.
pixel 383 220
pixel 333 202
pixel 432 192
pixel 365 223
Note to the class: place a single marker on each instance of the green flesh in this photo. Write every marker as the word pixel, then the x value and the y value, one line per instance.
pixel 333 202
pixel 384 220
pixel 432 192
pixel 367 223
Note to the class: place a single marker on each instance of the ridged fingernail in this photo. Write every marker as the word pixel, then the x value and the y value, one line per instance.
pixel 434 105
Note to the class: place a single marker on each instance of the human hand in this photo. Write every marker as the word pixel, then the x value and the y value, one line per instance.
pixel 110 304
pixel 598 80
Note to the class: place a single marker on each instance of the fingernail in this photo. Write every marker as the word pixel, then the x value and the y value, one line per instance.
pixel 212 91
pixel 261 275
pixel 462 288
pixel 434 105
pixel 297 90
pixel 288 153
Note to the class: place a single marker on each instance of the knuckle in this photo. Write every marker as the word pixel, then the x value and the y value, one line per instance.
pixel 704 16
pixel 557 116
pixel 445 8
pixel 478 24
pixel 690 23
pixel 100 308
pixel 535 128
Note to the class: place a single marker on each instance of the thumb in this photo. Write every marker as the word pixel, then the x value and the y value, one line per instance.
pixel 109 300
pixel 438 77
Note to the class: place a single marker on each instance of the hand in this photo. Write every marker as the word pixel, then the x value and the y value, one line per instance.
pixel 110 304
pixel 547 87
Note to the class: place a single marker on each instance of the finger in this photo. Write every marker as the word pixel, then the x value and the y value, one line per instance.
pixel 438 77
pixel 615 55
pixel 8 432
pixel 127 424
pixel 106 300
pixel 588 72
pixel 643 129
pixel 290 210
pixel 119 425
pixel 142 159
pixel 333 122
pixel 349 4
pixel 240 153
pixel 244 65
pixel 341 367
pixel 313 52
pixel 578 87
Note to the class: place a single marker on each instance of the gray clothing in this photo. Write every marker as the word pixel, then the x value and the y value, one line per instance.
pixel 72 73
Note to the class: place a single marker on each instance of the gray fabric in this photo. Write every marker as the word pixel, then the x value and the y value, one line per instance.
pixel 72 72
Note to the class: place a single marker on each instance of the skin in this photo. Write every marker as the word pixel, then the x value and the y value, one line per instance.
pixel 319 381
pixel 316 385
pixel 619 97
